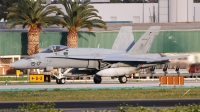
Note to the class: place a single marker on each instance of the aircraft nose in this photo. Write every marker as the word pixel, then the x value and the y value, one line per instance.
pixel 21 64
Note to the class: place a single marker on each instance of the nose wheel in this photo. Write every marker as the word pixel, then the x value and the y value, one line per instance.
pixel 122 79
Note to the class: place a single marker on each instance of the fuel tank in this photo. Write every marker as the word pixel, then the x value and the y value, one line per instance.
pixel 111 72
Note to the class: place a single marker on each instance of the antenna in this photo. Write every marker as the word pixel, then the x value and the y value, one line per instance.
pixel 98 45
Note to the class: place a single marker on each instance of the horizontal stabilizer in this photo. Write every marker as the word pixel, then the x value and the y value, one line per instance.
pixel 170 58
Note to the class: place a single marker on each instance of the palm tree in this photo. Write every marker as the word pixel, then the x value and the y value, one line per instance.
pixel 79 16
pixel 32 14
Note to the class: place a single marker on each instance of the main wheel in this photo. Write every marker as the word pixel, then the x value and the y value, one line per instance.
pixel 57 81
pixel 62 81
pixel 97 79
pixel 122 79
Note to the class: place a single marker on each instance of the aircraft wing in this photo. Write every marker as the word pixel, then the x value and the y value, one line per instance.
pixel 146 60
pixel 122 58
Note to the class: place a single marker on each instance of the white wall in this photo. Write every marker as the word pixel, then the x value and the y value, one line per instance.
pixel 126 12
pixel 179 11
pixel 196 12
pixel 163 11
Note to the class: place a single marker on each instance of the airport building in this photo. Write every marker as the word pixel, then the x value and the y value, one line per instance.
pixel 146 11
pixel 179 33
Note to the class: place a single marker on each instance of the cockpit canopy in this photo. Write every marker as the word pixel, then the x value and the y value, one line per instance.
pixel 54 48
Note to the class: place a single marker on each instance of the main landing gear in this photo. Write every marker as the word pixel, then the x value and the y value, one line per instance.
pixel 97 79
pixel 60 81
pixel 122 79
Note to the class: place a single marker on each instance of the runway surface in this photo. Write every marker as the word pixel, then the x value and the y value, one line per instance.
pixel 78 106
pixel 90 85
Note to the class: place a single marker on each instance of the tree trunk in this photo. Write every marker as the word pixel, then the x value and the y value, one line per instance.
pixel 72 38
pixel 33 40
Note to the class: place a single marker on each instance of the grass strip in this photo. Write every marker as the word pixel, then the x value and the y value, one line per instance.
pixel 13 78
pixel 102 94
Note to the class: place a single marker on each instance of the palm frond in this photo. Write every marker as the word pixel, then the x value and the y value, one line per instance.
pixel 80 15
pixel 31 12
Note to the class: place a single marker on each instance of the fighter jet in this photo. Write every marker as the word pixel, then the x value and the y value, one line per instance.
pixel 123 59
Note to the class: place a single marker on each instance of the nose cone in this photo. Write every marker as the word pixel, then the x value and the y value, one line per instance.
pixel 20 64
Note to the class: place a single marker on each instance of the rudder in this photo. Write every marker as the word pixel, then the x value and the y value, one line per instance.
pixel 143 45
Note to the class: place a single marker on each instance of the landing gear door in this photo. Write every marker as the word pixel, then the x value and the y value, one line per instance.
pixel 49 62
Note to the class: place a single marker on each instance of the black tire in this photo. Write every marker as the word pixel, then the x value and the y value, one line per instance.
pixel 57 81
pixel 122 79
pixel 97 79
pixel 62 81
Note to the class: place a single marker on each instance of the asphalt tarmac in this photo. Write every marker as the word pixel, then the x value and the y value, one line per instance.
pixel 80 106
pixel 90 85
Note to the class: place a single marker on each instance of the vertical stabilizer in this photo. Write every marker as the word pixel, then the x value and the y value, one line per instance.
pixel 143 45
pixel 124 40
